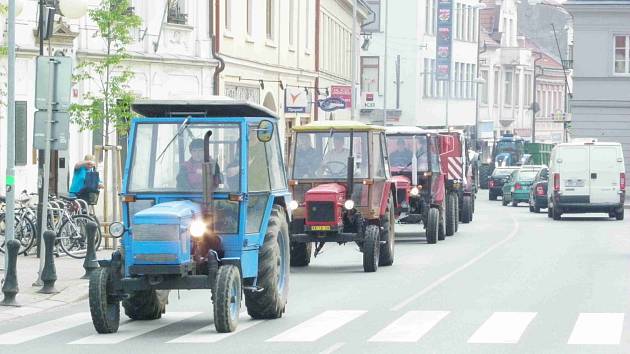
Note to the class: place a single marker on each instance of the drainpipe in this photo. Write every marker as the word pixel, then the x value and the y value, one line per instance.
pixel 215 45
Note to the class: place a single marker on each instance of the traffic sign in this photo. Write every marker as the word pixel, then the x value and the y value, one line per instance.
pixel 63 82
pixel 60 132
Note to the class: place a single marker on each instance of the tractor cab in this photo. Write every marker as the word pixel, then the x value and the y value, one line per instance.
pixel 342 191
pixel 203 207
pixel 414 159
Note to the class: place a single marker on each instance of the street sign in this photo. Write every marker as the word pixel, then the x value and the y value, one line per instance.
pixel 63 82
pixel 296 100
pixel 343 92
pixel 331 104
pixel 60 133
pixel 369 100
pixel 444 40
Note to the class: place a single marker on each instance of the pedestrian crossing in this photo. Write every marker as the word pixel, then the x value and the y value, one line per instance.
pixel 408 327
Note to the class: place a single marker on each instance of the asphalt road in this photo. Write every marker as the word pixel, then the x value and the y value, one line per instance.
pixel 510 282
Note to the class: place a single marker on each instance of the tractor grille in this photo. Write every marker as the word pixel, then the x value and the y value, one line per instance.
pixel 153 232
pixel 156 257
pixel 320 211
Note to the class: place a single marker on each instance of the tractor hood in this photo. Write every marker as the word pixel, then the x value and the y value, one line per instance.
pixel 168 213
pixel 328 188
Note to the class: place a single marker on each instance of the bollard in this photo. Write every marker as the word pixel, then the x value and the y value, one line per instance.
pixel 49 273
pixel 90 263
pixel 10 286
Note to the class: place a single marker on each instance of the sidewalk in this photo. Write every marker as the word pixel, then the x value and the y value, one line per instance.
pixel 69 284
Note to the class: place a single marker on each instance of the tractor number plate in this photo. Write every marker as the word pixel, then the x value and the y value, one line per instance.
pixel 320 228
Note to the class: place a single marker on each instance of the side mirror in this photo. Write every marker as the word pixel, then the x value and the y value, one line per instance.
pixel 264 132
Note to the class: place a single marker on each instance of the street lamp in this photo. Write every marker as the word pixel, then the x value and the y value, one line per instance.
pixel 73 9
pixel 534 105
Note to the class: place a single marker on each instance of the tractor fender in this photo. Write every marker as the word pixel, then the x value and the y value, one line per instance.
pixel 388 188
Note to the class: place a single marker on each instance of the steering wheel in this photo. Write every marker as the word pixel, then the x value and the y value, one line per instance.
pixel 329 169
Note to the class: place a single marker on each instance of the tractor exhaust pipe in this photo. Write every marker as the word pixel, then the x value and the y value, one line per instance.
pixel 350 175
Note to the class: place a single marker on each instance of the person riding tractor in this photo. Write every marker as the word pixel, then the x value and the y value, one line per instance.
pixel 342 191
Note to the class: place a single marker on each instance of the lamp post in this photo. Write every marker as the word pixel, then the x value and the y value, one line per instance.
pixel 534 110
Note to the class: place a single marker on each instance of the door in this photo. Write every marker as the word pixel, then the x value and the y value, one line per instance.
pixel 571 164
pixel 604 174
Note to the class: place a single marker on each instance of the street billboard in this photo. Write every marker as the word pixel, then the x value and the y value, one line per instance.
pixel 296 100
pixel 343 92
pixel 444 40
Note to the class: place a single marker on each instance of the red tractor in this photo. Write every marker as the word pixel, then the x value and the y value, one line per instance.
pixel 342 191
pixel 414 159
pixel 459 176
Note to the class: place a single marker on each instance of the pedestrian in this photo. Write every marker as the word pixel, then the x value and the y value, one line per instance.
pixel 85 181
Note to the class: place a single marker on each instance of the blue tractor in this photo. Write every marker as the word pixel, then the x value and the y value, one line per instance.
pixel 204 207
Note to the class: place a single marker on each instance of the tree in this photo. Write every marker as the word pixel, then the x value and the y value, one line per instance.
pixel 108 107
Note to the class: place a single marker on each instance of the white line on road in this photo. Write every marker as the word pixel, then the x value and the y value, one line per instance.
pixel 333 348
pixel 136 328
pixel 318 326
pixel 503 327
pixel 208 334
pixel 44 329
pixel 597 328
pixel 410 327
pixel 446 277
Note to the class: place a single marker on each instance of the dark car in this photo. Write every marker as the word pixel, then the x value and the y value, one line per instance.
pixel 538 191
pixel 497 180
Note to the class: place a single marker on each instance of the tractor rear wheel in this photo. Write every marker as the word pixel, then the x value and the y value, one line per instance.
pixel 301 254
pixel 451 214
pixel 386 253
pixel 273 270
pixel 104 309
pixel 146 304
pixel 433 222
pixel 467 209
pixel 371 248
pixel 227 299
pixel 556 214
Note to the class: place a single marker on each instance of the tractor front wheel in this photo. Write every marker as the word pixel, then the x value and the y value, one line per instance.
pixel 104 308
pixel 467 209
pixel 433 223
pixel 146 304
pixel 301 254
pixel 227 299
pixel 451 214
pixel 273 270
pixel 371 248
pixel 386 254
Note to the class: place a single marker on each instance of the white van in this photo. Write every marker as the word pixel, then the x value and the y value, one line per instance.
pixel 586 177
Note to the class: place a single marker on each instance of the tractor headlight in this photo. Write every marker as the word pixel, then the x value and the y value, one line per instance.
pixel 293 205
pixel 197 228
pixel 349 204
pixel 116 229
pixel 414 191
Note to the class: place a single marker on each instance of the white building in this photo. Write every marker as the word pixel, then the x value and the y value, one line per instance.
pixel 171 59
pixel 414 96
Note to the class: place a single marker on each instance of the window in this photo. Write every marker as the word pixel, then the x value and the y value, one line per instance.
pixel 369 74
pixel 517 92
pixel 508 88
pixel 250 17
pixel 622 54
pixel 497 88
pixel 228 15
pixel 465 23
pixel 460 21
pixel 378 159
pixel 21 137
pixel 276 168
pixel 433 79
pixel 177 12
pixel 484 87
pixel 456 79
pixel 270 19
pixel 291 22
pixel 527 101
pixel 258 166
pixel 428 25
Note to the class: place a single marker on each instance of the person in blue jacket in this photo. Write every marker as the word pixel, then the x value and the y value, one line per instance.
pixel 80 171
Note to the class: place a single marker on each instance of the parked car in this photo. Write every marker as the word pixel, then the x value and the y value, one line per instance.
pixel 497 180
pixel 587 177
pixel 516 188
pixel 538 191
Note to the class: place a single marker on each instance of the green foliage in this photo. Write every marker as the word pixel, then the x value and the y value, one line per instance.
pixel 108 106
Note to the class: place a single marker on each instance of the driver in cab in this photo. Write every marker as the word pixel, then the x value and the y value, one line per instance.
pixel 337 157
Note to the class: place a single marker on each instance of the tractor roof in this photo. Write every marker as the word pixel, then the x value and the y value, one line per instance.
pixel 217 107
pixel 337 125
pixel 406 130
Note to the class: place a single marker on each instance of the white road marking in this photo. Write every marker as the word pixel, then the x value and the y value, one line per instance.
pixel 133 329
pixel 446 277
pixel 318 326
pixel 44 329
pixel 503 327
pixel 333 348
pixel 597 328
pixel 208 334
pixel 412 326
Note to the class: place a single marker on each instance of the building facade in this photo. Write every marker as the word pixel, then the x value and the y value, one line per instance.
pixel 414 95
pixel 601 99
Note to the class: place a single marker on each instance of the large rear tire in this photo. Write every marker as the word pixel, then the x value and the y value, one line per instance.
pixel 557 215
pixel 451 214
pixel 371 249
pixel 432 225
pixel 104 308
pixel 146 304
pixel 227 299
pixel 386 253
pixel 619 214
pixel 301 254
pixel 467 209
pixel 273 270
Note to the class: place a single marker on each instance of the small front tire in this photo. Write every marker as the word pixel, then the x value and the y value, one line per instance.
pixel 467 210
pixel 104 308
pixel 432 225
pixel 227 299
pixel 371 248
